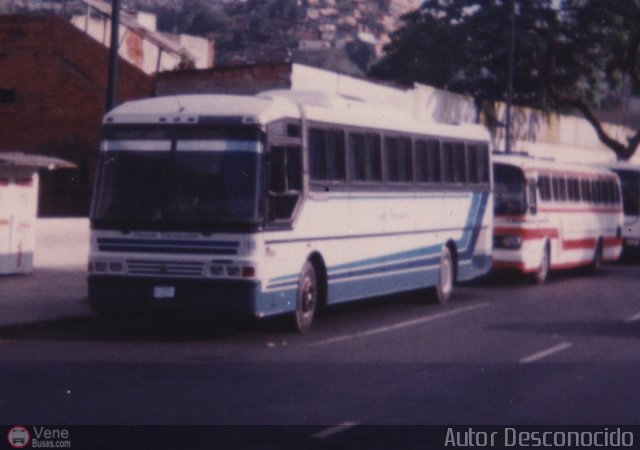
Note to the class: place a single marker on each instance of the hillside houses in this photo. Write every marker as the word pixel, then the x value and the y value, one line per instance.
pixel 323 26
pixel 331 24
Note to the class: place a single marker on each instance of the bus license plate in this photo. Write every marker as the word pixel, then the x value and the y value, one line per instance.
pixel 164 292
pixel 633 242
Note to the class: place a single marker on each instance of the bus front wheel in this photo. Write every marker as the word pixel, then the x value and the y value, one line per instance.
pixel 446 274
pixel 307 299
pixel 542 273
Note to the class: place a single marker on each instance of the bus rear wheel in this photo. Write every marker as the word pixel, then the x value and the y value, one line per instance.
pixel 443 289
pixel 596 263
pixel 307 299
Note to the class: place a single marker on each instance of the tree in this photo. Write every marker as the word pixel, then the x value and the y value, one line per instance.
pixel 600 39
pixel 567 55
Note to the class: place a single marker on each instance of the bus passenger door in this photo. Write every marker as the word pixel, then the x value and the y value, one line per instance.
pixel 285 183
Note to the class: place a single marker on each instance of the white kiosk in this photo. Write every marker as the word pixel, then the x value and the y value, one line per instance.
pixel 19 207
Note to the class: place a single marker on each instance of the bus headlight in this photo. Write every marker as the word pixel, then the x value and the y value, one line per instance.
pixel 509 241
pixel 116 267
pixel 216 271
pixel 106 266
pixel 238 270
pixel 100 266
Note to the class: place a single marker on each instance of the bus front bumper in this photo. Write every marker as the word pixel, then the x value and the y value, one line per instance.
pixel 121 294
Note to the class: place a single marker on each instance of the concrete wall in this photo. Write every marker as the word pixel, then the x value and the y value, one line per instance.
pixel 62 243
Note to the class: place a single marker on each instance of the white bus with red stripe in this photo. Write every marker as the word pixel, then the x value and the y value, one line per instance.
pixel 551 215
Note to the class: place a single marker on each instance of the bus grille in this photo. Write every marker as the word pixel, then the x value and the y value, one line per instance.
pixel 165 268
pixel 197 247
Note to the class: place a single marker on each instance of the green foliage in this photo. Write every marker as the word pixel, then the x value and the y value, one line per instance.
pixel 361 54
pixel 462 46
pixel 567 55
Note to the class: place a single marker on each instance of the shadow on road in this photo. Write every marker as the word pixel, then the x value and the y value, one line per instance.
pixel 151 327
pixel 173 326
pixel 499 279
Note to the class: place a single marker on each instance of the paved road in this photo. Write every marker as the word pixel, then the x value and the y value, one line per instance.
pixel 502 352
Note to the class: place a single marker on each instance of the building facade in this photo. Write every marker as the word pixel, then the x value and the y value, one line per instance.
pixel 52 99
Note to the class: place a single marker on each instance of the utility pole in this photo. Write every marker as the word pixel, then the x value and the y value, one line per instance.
pixel 112 81
pixel 511 56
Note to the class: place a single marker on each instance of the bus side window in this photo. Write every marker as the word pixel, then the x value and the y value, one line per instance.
pixel 327 155
pixel 483 163
pixel 585 190
pixel 573 189
pixel 544 188
pixel 454 162
pixel 556 188
pixel 364 157
pixel 428 162
pixel 397 158
pixel 473 155
pixel 285 181
pixel 532 200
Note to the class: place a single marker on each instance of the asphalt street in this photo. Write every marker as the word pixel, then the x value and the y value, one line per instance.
pixel 501 352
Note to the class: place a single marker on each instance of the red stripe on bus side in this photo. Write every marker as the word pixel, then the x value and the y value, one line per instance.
pixel 528 233
pixel 575 244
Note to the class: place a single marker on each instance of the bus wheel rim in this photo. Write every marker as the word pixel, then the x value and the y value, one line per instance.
pixel 446 283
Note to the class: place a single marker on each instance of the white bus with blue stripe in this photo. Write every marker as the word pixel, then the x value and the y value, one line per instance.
pixel 283 202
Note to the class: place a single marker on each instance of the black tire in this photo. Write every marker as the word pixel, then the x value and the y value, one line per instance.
pixel 306 300
pixel 542 273
pixel 596 262
pixel 443 289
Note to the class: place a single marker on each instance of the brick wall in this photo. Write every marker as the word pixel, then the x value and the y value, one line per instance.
pixel 54 80
pixel 241 80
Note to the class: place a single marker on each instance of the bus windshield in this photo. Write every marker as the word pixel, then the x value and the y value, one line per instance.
pixel 510 190
pixel 191 177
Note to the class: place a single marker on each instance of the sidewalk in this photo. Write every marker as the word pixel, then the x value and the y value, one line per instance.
pixel 57 288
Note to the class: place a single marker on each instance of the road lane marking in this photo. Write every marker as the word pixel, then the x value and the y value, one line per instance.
pixel 633 318
pixel 544 353
pixel 409 323
pixel 334 430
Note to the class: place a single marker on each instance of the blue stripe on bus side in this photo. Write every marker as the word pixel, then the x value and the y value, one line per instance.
pixel 430 255
pixel 382 285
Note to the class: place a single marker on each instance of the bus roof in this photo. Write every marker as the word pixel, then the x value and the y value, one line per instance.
pixel 192 108
pixel 273 105
pixel 527 162
pixel 352 111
